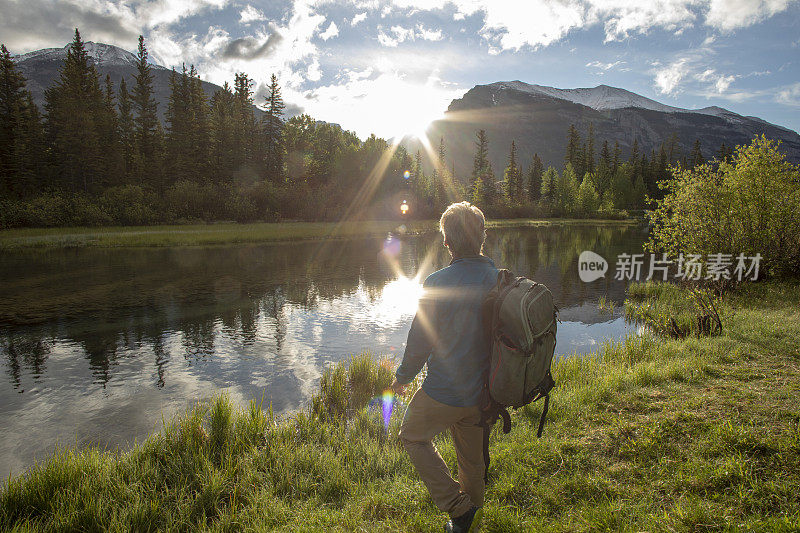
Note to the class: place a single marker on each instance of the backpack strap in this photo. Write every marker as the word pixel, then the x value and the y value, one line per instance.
pixel 504 284
pixel 488 418
pixel 544 414
pixel 487 429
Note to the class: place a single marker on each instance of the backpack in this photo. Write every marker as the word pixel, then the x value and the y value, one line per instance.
pixel 521 320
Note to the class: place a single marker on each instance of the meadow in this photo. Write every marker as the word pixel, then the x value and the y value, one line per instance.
pixel 698 433
pixel 231 233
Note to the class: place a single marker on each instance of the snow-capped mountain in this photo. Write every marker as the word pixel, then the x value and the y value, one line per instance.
pixel 41 69
pixel 537 118
pixel 600 97
pixel 604 97
pixel 100 53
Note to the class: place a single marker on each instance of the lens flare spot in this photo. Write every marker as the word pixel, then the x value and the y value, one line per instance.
pixel 406 174
pixel 392 246
pixel 404 207
pixel 387 405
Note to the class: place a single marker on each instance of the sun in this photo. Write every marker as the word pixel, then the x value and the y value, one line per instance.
pixel 393 106
pixel 400 297
pixel 410 117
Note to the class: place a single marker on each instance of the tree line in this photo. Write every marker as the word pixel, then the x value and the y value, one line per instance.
pixel 588 185
pixel 98 154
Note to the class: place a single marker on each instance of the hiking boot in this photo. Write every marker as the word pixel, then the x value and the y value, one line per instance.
pixel 468 522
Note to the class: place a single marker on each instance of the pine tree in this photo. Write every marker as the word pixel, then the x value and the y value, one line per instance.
pixel 74 107
pixel 127 129
pixel 621 186
pixel 29 148
pixel 178 144
pixel 604 170
pixel 535 178
pixel 148 133
pixel 635 157
pixel 588 156
pixel 549 179
pixel 199 126
pixel 19 130
pixel 661 173
pixel 696 157
pixel 566 191
pixel 245 122
pixel 725 153
pixel 512 178
pixel 441 185
pixel 273 132
pixel 224 149
pixel 588 201
pixel 573 151
pixel 108 129
pixel 616 161
pixel 673 148
pixel 605 155
pixel 482 172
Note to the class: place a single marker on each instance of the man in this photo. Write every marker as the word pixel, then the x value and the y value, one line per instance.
pixel 447 333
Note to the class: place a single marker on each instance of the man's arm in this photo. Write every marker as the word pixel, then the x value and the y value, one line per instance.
pixel 420 343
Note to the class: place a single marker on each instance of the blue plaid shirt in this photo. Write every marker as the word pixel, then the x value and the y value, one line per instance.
pixel 447 333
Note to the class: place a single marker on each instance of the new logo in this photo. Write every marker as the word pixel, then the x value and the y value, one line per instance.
pixel 591 266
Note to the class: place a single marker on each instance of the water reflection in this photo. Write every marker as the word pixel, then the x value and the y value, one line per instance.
pixel 95 344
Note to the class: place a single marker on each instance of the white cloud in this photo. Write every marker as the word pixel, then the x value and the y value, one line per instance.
pixel 398 34
pixel 789 95
pixel 428 35
pixel 158 12
pixel 723 82
pixel 668 78
pixel 705 75
pixel 360 17
pixel 387 40
pixel 512 24
pixel 314 73
pixel 332 31
pixel 250 14
pixel 604 66
pixel 732 14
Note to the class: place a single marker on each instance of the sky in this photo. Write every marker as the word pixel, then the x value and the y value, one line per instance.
pixel 390 67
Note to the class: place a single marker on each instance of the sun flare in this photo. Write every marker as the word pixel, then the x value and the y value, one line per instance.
pixel 400 296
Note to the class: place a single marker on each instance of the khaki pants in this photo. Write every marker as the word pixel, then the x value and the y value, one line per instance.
pixel 426 418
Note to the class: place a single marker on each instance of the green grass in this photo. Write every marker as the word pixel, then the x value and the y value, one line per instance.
pixel 668 308
pixel 227 233
pixel 648 434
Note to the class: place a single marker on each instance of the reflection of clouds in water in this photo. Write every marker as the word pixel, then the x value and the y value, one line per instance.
pixel 155 330
pixel 578 337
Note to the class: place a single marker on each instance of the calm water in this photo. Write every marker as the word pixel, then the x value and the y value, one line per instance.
pixel 97 344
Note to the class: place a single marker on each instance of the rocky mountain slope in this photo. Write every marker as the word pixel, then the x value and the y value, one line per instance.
pixel 537 119
pixel 41 69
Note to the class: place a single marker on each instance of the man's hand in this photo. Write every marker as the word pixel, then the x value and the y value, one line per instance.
pixel 398 388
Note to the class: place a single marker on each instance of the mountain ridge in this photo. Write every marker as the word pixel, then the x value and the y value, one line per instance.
pixel 41 69
pixel 538 117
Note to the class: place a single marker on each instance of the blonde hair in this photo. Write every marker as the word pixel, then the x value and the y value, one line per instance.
pixel 463 227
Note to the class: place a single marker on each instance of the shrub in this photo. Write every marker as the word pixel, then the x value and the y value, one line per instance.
pixel 189 200
pixel 129 205
pixel 750 205
pixel 48 210
pixel 86 211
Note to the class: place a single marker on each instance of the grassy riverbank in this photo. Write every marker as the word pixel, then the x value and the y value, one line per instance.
pixel 653 433
pixel 227 233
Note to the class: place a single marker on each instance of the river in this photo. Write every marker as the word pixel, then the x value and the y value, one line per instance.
pixel 97 344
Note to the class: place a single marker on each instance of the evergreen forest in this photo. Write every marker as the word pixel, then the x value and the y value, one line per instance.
pixel 97 154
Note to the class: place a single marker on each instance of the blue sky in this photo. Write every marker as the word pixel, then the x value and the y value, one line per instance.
pixel 390 67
